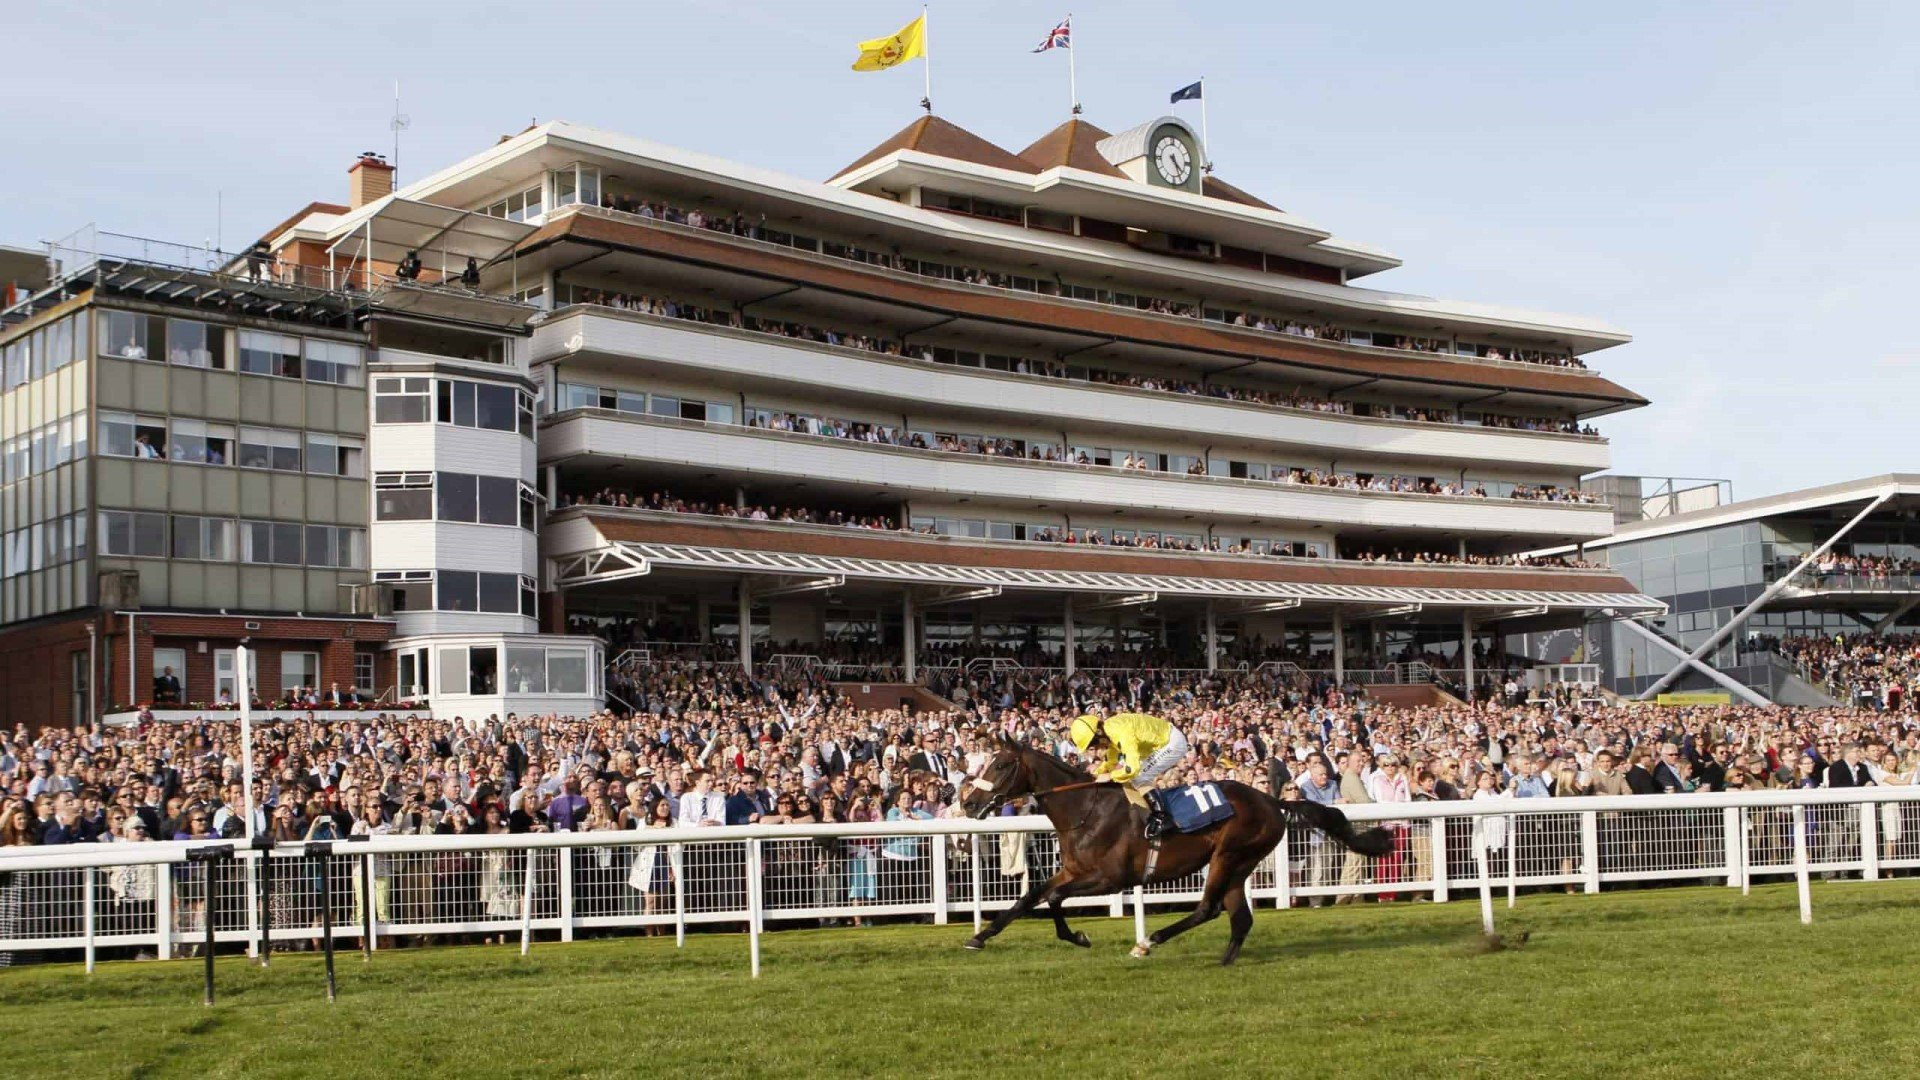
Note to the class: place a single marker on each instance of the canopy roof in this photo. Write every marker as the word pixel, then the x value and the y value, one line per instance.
pixel 396 226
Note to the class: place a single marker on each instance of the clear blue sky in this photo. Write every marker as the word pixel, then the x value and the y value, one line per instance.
pixel 1735 184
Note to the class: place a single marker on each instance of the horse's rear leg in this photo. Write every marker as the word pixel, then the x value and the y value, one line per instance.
pixel 1239 918
pixel 1219 880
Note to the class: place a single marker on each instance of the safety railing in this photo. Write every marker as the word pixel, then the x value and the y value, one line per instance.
pixel 153 898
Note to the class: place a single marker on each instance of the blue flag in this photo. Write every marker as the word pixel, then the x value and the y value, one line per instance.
pixel 1190 92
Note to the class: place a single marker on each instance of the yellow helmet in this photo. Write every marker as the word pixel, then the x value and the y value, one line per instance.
pixel 1083 730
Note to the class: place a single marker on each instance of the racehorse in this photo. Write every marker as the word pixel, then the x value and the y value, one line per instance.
pixel 1103 849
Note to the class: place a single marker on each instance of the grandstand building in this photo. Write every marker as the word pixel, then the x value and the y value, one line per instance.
pixel 583 399
pixel 1738 578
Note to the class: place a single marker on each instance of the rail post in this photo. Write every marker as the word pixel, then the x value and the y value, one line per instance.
pixel 366 907
pixel 324 851
pixel 262 867
pixel 1283 871
pixel 1486 880
pixel 1869 842
pixel 526 902
pixel 1590 850
pixel 979 841
pixel 86 917
pixel 753 905
pixel 1730 826
pixel 1800 862
pixel 163 911
pixel 1437 835
pixel 677 862
pixel 939 879
pixel 565 868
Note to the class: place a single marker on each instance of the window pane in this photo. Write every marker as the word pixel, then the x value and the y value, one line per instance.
pixel 494 407
pixel 526 670
pixel 453 669
pixel 499 500
pixel 459 591
pixel 457 496
pixel 566 671
pixel 403 504
pixel 483 665
pixel 500 593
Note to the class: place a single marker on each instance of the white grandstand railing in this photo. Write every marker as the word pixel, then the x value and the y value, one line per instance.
pixel 150 897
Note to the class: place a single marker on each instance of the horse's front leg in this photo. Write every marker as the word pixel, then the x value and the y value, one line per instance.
pixel 1082 887
pixel 1020 907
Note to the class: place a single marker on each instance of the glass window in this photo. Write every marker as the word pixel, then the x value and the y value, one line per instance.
pixel 195 344
pixel 262 353
pixel 458 496
pixel 573 396
pixel 453 669
pixel 336 362
pixel 126 335
pixel 410 500
pixel 459 590
pixel 494 407
pixel 401 401
pixel 299 670
pixel 201 443
pixel 500 593
pixel 499 499
pixel 116 434
pixel 526 669
pixel 566 671
pixel 266 448
pixel 333 455
pixel 363 672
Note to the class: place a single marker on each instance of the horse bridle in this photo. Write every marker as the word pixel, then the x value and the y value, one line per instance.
pixel 999 799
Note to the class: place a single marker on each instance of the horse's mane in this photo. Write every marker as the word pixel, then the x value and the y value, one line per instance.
pixel 1074 771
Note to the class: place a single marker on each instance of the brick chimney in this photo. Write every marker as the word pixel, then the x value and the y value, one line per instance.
pixel 370 178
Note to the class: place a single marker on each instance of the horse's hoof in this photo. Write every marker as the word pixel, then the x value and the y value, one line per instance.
pixel 1081 939
pixel 1141 951
pixel 975 944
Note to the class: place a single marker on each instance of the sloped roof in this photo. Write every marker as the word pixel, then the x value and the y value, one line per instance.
pixel 932 135
pixel 1220 189
pixel 1072 145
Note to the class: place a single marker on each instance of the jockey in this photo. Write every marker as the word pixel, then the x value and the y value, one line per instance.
pixel 1134 750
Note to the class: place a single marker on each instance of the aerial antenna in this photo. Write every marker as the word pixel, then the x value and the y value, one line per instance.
pixel 400 122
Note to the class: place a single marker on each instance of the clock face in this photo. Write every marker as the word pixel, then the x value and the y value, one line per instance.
pixel 1174 161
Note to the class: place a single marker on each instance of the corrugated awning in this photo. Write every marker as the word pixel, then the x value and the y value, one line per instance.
pixel 398 226
pixel 789 564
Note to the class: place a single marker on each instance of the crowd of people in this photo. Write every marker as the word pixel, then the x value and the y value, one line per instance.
pixel 1876 567
pixel 1295 399
pixel 1874 671
pixel 705 745
pixel 739 224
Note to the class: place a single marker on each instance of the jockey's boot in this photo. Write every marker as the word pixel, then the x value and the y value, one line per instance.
pixel 1159 822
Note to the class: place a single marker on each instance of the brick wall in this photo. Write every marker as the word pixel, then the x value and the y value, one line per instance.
pixel 200 639
pixel 36 672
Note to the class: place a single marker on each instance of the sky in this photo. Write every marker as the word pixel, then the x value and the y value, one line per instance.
pixel 1733 184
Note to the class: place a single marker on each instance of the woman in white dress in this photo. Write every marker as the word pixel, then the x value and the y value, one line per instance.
pixel 499 898
pixel 1489 830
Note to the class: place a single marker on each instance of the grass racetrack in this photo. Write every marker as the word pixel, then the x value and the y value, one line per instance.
pixel 1671 982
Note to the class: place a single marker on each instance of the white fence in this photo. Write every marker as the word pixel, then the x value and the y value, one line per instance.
pixel 151 898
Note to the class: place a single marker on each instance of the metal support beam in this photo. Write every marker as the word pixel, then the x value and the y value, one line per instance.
pixel 1067 634
pixel 1894 616
pixel 1213 639
pixel 1466 651
pixel 1713 642
pixel 1734 686
pixel 611 563
pixel 927 598
pixel 797 586
pixel 746 626
pixel 1339 647
pixel 909 649
pixel 1265 607
pixel 1129 600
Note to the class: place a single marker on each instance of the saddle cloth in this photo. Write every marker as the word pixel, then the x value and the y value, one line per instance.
pixel 1196 806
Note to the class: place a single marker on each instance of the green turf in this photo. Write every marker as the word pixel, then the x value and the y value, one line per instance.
pixel 1686 982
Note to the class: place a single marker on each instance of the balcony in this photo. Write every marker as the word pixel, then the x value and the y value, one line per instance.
pixel 752 358
pixel 787 456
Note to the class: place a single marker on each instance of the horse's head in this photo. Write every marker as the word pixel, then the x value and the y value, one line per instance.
pixel 1007 776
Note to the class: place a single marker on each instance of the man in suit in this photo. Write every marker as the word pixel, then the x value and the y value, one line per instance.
pixel 166 687
pixel 1672 775
pixel 1849 771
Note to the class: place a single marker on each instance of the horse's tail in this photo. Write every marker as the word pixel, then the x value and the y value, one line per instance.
pixel 1372 843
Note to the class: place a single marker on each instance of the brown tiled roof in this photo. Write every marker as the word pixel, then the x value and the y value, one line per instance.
pixel 932 135
pixel 311 208
pixel 745 256
pixel 1072 145
pixel 859 544
pixel 1220 189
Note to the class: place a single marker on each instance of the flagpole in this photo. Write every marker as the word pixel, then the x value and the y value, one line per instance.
pixel 244 686
pixel 1205 142
pixel 1073 82
pixel 926 60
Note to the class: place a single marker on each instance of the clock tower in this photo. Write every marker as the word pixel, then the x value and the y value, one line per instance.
pixel 1160 153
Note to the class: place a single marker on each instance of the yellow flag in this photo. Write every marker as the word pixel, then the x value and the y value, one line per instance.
pixel 886 52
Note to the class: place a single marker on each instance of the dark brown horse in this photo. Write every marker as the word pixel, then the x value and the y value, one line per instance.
pixel 1103 850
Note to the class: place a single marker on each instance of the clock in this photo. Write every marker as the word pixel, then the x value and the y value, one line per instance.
pixel 1174 161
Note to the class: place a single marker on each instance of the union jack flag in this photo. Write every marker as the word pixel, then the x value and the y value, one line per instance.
pixel 1060 37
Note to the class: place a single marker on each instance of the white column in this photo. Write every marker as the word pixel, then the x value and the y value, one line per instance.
pixel 909 654
pixel 746 626
pixel 1466 651
pixel 1067 635
pixel 1339 646
pixel 1213 639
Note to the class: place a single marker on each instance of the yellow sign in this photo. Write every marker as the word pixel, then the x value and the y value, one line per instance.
pixel 1696 697
pixel 885 52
